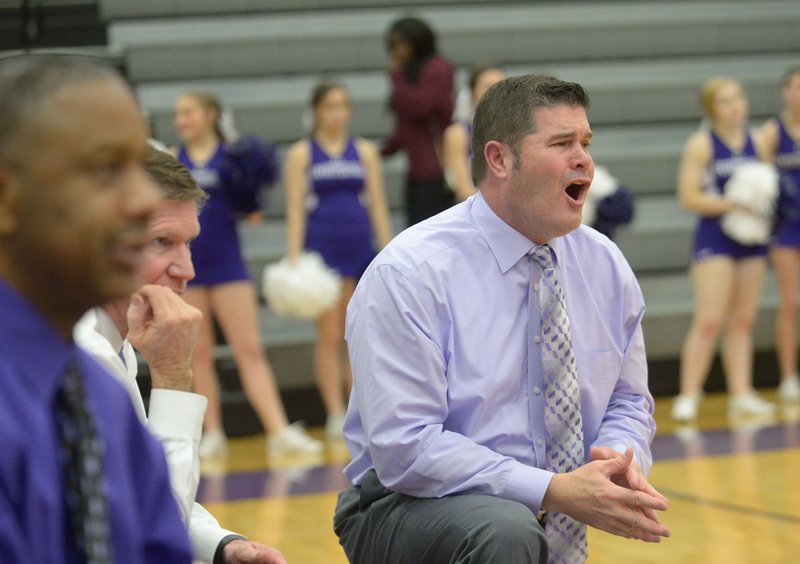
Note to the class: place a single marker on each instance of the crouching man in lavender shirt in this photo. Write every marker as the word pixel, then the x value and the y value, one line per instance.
pixel 500 399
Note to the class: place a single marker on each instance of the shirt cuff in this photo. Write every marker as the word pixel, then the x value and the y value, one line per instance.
pixel 620 447
pixel 638 456
pixel 206 534
pixel 219 554
pixel 175 414
pixel 527 485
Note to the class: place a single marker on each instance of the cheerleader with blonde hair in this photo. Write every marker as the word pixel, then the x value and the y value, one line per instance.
pixel 727 276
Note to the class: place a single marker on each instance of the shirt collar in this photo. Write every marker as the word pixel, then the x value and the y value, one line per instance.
pixel 106 327
pixel 506 243
pixel 32 344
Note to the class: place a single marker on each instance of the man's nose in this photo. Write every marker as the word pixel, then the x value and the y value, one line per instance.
pixel 181 266
pixel 582 158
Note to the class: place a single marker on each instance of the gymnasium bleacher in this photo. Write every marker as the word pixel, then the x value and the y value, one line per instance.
pixel 641 61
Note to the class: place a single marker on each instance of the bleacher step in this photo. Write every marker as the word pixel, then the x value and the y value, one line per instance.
pixel 261 44
pixel 630 93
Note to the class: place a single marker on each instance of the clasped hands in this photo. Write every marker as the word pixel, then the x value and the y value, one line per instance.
pixel 610 493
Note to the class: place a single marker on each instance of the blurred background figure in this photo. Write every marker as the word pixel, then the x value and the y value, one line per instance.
pixel 335 206
pixel 222 289
pixel 782 141
pixel 457 153
pixel 727 276
pixel 608 204
pixel 422 102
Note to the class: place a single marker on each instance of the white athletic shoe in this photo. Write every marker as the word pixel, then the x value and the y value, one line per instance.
pixel 293 440
pixel 789 390
pixel 749 404
pixel 334 425
pixel 685 407
pixel 213 444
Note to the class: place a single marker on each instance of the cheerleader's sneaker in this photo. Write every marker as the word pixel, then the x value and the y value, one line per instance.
pixel 749 404
pixel 789 390
pixel 213 444
pixel 293 440
pixel 685 407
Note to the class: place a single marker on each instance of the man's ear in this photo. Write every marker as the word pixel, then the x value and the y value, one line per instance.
pixel 499 159
pixel 9 200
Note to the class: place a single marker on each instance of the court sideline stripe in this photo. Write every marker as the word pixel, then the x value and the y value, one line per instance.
pixel 727 506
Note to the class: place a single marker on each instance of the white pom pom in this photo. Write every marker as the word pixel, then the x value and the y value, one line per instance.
pixel 754 187
pixel 603 185
pixel 306 290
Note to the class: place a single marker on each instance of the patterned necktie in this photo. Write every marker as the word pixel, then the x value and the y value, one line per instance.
pixel 566 537
pixel 82 460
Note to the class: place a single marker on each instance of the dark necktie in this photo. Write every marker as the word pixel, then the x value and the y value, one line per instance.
pixel 82 461
pixel 566 538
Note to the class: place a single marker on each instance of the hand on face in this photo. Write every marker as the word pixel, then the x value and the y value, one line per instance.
pixel 610 493
pixel 400 52
pixel 164 329
pixel 251 552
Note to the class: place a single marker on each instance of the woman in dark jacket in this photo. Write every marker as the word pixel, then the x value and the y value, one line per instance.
pixel 422 101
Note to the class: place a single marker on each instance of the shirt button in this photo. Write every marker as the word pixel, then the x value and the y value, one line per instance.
pixel 537 390
pixel 539 442
pixel 537 339
pixel 536 287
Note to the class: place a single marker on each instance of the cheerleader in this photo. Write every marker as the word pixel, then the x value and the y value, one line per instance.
pixel 782 140
pixel 458 136
pixel 222 288
pixel 335 206
pixel 727 276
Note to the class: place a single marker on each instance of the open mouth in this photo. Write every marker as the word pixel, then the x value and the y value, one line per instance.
pixel 576 190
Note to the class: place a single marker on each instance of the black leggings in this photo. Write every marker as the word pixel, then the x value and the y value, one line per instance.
pixel 426 198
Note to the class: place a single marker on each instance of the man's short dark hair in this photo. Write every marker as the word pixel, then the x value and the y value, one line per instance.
pixel 505 113
pixel 173 179
pixel 26 81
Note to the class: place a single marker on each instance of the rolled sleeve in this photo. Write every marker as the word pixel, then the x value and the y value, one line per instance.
pixel 176 415
pixel 176 420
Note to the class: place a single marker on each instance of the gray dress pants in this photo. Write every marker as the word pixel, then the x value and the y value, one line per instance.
pixel 376 525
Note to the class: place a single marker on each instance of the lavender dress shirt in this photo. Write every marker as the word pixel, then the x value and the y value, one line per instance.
pixel 446 361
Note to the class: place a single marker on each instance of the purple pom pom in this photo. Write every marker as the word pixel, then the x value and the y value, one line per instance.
pixel 249 165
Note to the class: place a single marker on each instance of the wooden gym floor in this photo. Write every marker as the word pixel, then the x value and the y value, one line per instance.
pixel 734 490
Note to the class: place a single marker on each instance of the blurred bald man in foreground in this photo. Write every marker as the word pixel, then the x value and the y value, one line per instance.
pixel 74 209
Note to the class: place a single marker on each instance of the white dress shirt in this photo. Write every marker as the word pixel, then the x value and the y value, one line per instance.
pixel 175 419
